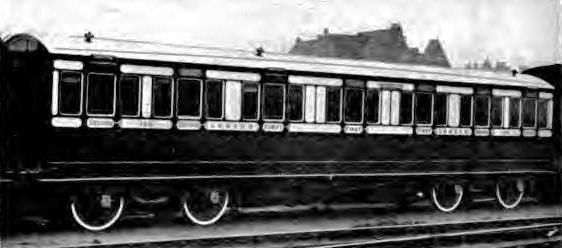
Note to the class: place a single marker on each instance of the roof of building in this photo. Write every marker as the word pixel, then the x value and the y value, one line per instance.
pixel 143 50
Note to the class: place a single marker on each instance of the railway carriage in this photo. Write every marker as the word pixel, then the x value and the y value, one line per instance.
pixel 105 123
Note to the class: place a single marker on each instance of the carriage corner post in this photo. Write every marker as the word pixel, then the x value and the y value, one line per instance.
pixel 204 134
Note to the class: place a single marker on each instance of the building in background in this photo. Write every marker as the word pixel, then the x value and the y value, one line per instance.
pixel 387 45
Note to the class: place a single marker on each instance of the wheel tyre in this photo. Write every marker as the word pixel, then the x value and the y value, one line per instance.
pixel 502 202
pixel 193 218
pixel 459 191
pixel 80 221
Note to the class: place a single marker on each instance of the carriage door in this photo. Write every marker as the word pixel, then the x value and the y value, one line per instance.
pixel 27 89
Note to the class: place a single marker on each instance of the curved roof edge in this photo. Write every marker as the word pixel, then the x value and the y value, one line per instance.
pixel 146 50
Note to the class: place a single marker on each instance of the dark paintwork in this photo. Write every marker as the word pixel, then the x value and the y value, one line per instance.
pixel 49 152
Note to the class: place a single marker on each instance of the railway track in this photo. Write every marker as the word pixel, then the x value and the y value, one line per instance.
pixel 475 227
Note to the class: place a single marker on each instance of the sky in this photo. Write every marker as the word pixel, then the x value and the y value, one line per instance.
pixel 521 32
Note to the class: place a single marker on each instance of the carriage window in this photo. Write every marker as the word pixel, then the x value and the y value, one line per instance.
pixel 295 104
pixel 333 104
pixel 70 93
pixel 129 95
pixel 496 114
pixel 423 107
pixel 529 112
pixel 543 113
pixel 514 112
pixel 101 94
pixel 481 111
pixel 273 95
pixel 214 99
pixel 189 97
pixel 162 97
pixel 406 105
pixel 372 106
pixel 250 101
pixel 353 105
pixel 440 110
pixel 466 110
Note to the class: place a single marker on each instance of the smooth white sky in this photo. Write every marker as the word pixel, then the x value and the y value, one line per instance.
pixel 519 31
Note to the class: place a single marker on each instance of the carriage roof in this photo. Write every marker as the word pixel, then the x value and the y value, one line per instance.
pixel 164 52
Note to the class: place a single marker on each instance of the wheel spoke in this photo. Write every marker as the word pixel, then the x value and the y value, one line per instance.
pixel 205 206
pixel 509 192
pixel 89 212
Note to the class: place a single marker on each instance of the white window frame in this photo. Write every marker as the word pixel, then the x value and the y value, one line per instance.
pixel 549 112
pixel 222 82
pixel 139 102
pixel 446 109
pixel 363 93
pixel 81 93
pixel 189 117
pixel 171 97
pixel 503 112
pixel 233 92
pixel 284 102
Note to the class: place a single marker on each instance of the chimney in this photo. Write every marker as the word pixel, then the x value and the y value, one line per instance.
pixel 514 72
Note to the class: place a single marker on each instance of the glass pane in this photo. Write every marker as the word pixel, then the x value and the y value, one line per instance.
pixel 214 99
pixel 542 113
pixel 250 101
pixel 101 92
pixel 496 115
pixel 440 111
pixel 423 108
pixel 372 106
pixel 353 105
pixel 295 104
pixel 333 104
pixel 129 90
pixel 529 106
pixel 466 110
pixel 70 91
pixel 189 97
pixel 481 108
pixel 514 112
pixel 162 97
pixel 273 102
pixel 406 108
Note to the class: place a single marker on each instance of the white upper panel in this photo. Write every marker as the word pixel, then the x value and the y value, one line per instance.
pixel 151 51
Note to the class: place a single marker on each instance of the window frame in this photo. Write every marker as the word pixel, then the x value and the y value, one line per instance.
pixel 411 109
pixel 549 113
pixel 242 101
pixel 379 109
pixel 471 110
pixel 502 113
pixel 139 102
pixel 363 100
pixel 284 102
pixel 81 93
pixel 535 124
pixel 432 94
pixel 519 119
pixel 177 98
pixel 340 88
pixel 447 95
pixel 152 112
pixel 303 103
pixel 489 111
pixel 223 86
pixel 114 94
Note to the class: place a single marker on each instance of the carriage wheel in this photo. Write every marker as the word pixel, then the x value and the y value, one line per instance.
pixel 446 196
pixel 96 211
pixel 509 192
pixel 205 206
